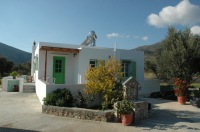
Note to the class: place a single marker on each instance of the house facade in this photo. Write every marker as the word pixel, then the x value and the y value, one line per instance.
pixel 63 65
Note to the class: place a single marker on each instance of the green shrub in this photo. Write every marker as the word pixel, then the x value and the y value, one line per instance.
pixel 59 97
pixel 165 95
pixel 125 107
pixel 195 93
pixel 155 95
pixel 80 100
pixel 14 73
pixel 107 105
pixel 114 96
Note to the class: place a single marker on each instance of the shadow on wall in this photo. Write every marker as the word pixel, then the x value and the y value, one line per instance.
pixel 5 129
pixel 169 120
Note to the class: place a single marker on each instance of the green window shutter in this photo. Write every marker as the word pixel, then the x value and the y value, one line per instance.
pixel 133 63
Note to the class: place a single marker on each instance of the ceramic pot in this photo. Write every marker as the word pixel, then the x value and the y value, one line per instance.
pixel 181 100
pixel 127 119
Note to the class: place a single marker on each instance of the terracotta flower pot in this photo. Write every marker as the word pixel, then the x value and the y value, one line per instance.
pixel 127 119
pixel 181 100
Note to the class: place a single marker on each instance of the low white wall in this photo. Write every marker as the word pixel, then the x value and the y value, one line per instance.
pixel 21 82
pixel 40 90
pixel 149 86
pixel 73 88
pixel 43 89
pixel 5 83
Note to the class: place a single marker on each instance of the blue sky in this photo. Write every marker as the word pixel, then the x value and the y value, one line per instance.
pixel 129 23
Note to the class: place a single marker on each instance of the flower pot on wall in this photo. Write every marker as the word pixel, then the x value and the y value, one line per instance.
pixel 181 100
pixel 127 119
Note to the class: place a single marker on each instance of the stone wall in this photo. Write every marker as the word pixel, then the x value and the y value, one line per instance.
pixel 79 113
pixel 141 110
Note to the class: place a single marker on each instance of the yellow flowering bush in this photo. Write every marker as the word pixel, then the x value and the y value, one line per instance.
pixel 102 80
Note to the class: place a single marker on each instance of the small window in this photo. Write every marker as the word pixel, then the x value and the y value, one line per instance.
pixel 58 68
pixel 125 68
pixel 93 63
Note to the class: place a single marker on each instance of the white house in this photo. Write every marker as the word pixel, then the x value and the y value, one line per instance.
pixel 64 66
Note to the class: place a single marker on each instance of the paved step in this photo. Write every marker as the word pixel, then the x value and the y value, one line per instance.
pixel 28 89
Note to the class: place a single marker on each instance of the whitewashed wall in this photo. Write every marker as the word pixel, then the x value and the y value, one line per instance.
pixel 40 90
pixel 103 54
pixel 32 59
pixel 5 83
pixel 138 57
pixel 86 54
pixel 71 65
pixel 77 66
pixel 149 86
pixel 43 89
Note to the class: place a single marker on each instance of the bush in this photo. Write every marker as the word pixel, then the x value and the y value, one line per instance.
pixel 155 95
pixel 80 100
pixel 114 96
pixel 107 105
pixel 60 97
pixel 195 93
pixel 165 95
pixel 83 101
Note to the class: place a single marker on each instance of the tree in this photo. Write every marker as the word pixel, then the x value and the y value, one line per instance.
pixel 150 65
pixel 23 69
pixel 5 66
pixel 179 56
pixel 104 79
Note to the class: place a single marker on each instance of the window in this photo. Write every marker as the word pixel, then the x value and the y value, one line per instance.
pixel 93 63
pixel 125 68
pixel 58 68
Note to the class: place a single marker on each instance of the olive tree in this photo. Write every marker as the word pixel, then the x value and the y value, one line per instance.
pixel 179 55
pixel 5 66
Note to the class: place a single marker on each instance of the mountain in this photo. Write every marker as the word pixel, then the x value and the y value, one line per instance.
pixel 16 55
pixel 149 50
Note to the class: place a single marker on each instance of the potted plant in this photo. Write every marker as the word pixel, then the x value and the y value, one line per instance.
pixel 14 74
pixel 125 109
pixel 181 90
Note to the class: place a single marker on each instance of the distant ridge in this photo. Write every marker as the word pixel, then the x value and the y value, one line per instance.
pixel 16 55
pixel 149 50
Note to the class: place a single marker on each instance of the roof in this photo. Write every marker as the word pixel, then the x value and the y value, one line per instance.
pixel 58 49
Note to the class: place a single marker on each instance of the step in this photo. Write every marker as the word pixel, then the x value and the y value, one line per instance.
pixel 28 89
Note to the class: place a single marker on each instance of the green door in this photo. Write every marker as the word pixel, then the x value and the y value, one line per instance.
pixel 59 69
pixel 133 65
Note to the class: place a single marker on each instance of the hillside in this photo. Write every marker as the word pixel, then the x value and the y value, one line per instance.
pixel 14 54
pixel 149 50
